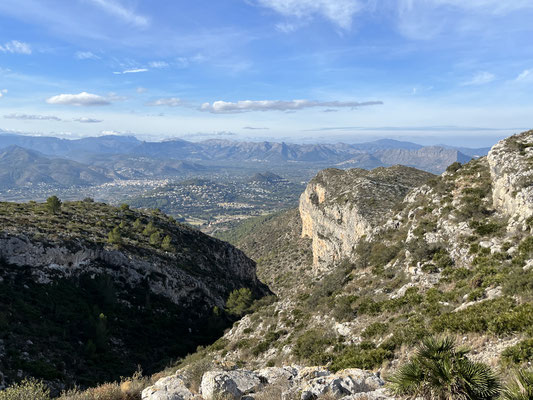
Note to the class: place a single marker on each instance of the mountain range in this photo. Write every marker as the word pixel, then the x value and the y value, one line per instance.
pixel 103 151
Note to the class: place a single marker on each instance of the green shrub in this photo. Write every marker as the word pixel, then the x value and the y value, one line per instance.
pixel 53 204
pixel 365 356
pixel 454 167
pixel 26 390
pixel 155 239
pixel 114 237
pixel 374 329
pixel 312 347
pixel 520 353
pixel 166 244
pixel 239 301
pixel 499 316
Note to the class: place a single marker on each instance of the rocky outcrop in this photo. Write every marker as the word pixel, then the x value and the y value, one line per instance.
pixel 289 382
pixel 511 168
pixel 339 207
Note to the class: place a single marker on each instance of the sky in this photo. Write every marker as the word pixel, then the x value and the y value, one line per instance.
pixel 432 71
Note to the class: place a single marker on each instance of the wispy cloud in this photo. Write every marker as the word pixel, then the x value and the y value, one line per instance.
pixel 15 47
pixel 2 92
pixel 158 64
pixel 80 99
pixel 223 107
pixel 141 90
pixel 254 128
pixel 525 76
pixel 167 101
pixel 86 55
pixel 87 120
pixel 31 117
pixel 481 78
pixel 131 71
pixel 340 12
pixel 125 14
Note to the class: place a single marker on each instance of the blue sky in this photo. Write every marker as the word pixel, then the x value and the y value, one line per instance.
pixel 316 70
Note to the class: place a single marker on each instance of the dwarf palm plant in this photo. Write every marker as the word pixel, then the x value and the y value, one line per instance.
pixel 441 371
pixel 521 388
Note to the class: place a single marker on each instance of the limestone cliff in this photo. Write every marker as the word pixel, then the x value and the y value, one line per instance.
pixel 511 169
pixel 339 207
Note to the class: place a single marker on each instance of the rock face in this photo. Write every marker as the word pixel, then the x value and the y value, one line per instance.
pixel 339 207
pixel 511 168
pixel 289 382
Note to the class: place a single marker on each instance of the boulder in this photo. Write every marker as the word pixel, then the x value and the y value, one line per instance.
pixel 229 384
pixel 169 388
pixel 344 383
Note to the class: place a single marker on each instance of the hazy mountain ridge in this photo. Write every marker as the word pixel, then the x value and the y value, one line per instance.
pixel 22 167
pixel 383 152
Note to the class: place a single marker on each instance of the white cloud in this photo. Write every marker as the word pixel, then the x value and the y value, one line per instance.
pixel 131 71
pixel 167 101
pixel 340 12
pixel 15 47
pixel 525 76
pixel 2 92
pixel 158 64
pixel 118 10
pixel 481 78
pixel 141 90
pixel 87 120
pixel 30 117
pixel 223 107
pixel 254 128
pixel 80 99
pixel 86 55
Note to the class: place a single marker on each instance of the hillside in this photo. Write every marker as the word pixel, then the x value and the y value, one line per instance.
pixel 22 167
pixel 91 292
pixel 452 257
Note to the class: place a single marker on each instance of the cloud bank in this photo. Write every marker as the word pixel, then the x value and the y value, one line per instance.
pixel 30 117
pixel 80 99
pixel 223 107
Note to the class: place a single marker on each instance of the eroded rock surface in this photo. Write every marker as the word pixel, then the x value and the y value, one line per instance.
pixel 338 207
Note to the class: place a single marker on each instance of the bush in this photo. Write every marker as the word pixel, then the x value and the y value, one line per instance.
pixel 167 243
pixel 454 167
pixel 239 301
pixel 365 356
pixel 53 204
pixel 439 370
pixel 312 347
pixel 520 353
pixel 114 236
pixel 155 239
pixel 374 329
pixel 26 390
